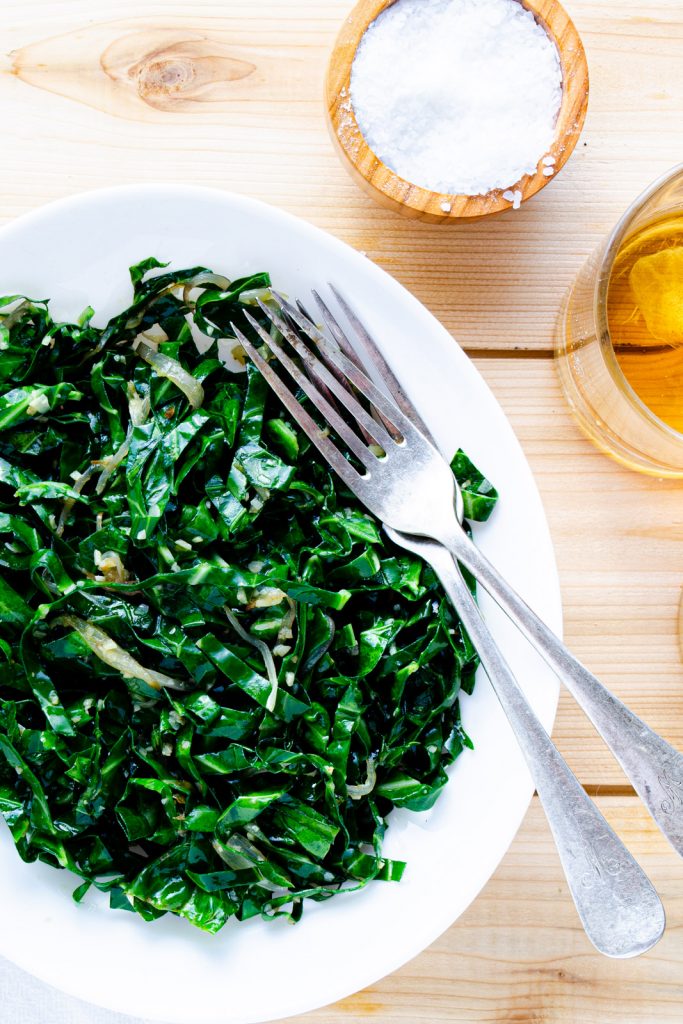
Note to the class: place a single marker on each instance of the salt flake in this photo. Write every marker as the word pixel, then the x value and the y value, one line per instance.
pixel 457 96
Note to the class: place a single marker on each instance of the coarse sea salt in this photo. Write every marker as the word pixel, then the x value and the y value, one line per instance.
pixel 513 197
pixel 457 96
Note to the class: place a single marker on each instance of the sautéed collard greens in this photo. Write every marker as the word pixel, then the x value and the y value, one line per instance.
pixel 218 675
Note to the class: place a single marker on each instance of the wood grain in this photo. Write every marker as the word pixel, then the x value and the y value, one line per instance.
pixel 519 956
pixel 618 539
pixel 68 126
pixel 409 199
pixel 139 71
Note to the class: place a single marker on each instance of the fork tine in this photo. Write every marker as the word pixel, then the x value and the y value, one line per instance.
pixel 349 351
pixel 299 314
pixel 310 388
pixel 384 405
pixel 287 305
pixel 309 326
pixel 327 448
pixel 341 390
pixel 303 319
pixel 368 343
pixel 376 359
pixel 291 312
pixel 334 327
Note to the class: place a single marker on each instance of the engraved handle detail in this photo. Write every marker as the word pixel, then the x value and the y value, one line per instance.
pixel 670 778
pixel 598 867
pixel 653 766
pixel 617 904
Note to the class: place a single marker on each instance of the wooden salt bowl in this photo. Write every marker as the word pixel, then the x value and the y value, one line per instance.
pixel 411 200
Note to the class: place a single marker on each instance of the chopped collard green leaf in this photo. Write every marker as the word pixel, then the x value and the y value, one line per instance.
pixel 219 676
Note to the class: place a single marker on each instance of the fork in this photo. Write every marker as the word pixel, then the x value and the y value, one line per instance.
pixel 653 766
pixel 405 482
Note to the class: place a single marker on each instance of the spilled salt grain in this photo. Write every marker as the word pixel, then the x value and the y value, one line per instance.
pixel 457 96
pixel 548 161
pixel 513 197
pixel 548 171
pixel 446 207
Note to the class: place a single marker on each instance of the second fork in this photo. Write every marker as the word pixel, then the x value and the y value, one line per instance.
pixel 617 903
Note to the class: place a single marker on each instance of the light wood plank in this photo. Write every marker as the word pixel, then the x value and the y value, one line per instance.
pixel 101 92
pixel 617 537
pixel 518 954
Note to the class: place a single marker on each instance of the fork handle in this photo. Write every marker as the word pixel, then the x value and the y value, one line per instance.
pixel 618 906
pixel 653 766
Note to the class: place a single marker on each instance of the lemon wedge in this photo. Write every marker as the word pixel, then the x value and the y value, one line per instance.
pixel 657 285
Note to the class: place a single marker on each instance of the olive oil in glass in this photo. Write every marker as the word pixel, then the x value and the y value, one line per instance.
pixel 645 315
pixel 620 335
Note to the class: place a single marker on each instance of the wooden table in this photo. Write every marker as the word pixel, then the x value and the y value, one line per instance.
pixel 228 93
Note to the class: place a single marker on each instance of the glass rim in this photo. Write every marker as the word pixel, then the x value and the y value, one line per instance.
pixel 612 245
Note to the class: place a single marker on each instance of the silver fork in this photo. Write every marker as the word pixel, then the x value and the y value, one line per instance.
pixel 406 483
pixel 653 766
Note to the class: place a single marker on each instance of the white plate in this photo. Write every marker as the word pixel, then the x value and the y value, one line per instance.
pixel 77 252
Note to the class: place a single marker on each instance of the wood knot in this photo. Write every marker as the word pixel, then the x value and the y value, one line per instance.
pixel 129 69
pixel 174 73
pixel 164 77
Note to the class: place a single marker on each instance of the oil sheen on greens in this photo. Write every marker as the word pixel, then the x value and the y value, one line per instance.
pixel 218 676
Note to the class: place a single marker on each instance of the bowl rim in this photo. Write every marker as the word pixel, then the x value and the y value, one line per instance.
pixel 389 188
